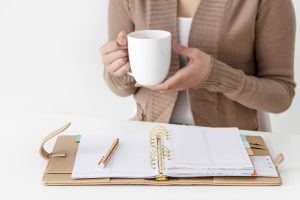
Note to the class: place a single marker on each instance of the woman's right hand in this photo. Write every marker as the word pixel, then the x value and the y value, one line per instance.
pixel 114 56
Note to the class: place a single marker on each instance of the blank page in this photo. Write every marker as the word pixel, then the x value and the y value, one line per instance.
pixel 130 159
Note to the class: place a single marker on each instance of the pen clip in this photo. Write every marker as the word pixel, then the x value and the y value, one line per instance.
pixel 101 164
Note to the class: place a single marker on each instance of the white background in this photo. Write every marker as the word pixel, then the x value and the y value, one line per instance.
pixel 50 64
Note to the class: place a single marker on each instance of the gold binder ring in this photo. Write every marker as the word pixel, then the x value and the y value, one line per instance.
pixel 159 130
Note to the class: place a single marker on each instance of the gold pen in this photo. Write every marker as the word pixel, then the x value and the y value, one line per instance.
pixel 109 153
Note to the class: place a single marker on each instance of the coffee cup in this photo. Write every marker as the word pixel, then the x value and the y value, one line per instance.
pixel 149 55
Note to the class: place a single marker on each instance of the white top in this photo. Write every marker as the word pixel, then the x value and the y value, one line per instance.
pixel 182 113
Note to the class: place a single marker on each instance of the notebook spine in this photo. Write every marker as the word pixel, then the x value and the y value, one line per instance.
pixel 159 151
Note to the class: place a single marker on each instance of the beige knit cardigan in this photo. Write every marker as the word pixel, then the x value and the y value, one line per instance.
pixel 252 45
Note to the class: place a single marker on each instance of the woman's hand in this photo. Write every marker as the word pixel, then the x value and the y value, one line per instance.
pixel 114 55
pixel 192 75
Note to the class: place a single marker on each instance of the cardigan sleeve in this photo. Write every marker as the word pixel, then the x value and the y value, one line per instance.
pixel 119 20
pixel 273 87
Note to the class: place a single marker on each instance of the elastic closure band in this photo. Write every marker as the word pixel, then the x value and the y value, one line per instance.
pixel 279 159
pixel 46 155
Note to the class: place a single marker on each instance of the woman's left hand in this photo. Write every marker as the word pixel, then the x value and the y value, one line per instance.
pixel 192 75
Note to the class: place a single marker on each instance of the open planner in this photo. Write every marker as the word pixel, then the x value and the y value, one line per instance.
pixel 159 154
pixel 180 151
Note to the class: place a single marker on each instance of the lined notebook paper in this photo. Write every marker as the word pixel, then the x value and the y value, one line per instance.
pixel 207 152
pixel 186 151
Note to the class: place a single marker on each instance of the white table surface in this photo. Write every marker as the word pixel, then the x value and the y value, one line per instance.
pixel 21 167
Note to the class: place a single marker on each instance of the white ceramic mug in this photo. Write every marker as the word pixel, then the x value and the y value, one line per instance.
pixel 149 56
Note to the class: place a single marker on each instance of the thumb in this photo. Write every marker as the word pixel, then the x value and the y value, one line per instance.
pixel 122 38
pixel 182 50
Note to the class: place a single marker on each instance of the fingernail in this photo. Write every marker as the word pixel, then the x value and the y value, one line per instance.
pixel 122 41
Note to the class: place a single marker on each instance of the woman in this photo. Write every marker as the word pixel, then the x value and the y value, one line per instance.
pixel 239 59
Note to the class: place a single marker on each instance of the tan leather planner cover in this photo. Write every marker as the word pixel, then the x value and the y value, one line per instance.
pixel 61 160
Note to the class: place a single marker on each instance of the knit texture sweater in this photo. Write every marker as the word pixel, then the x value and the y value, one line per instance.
pixel 252 47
